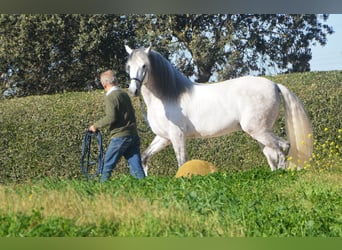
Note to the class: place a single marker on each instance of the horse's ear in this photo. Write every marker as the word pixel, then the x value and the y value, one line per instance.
pixel 148 49
pixel 128 49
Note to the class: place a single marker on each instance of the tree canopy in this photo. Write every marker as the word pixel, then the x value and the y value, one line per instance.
pixel 235 45
pixel 54 53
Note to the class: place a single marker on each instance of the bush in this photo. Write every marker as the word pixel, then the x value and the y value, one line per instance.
pixel 42 135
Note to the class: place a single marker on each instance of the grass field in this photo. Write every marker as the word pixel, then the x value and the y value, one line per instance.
pixel 43 193
pixel 251 203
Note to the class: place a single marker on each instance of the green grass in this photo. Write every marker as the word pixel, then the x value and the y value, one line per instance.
pixel 251 203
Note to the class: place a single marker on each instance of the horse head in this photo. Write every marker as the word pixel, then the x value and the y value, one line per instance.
pixel 138 66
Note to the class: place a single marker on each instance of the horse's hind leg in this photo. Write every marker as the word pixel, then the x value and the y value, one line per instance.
pixel 156 145
pixel 274 148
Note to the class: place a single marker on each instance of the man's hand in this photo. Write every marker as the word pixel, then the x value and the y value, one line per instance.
pixel 92 129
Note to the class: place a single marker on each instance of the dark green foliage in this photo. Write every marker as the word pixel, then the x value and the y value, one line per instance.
pixel 44 54
pixel 42 136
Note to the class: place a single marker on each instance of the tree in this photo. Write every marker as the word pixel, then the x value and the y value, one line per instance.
pixel 53 53
pixel 235 45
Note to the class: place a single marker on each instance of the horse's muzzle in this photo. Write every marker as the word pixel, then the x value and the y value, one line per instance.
pixel 134 87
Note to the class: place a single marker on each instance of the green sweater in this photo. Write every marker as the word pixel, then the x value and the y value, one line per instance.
pixel 120 116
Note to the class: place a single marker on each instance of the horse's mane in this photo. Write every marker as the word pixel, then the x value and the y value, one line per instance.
pixel 165 79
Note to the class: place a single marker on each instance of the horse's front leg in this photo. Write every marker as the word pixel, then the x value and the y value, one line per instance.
pixel 178 143
pixel 156 145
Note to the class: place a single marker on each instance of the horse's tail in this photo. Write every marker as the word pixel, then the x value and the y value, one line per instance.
pixel 298 128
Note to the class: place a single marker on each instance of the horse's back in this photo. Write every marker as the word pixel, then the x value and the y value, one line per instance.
pixel 240 93
pixel 251 83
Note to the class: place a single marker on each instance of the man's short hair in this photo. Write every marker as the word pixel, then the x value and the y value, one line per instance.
pixel 108 77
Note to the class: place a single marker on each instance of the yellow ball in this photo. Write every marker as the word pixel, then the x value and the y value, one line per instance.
pixel 195 167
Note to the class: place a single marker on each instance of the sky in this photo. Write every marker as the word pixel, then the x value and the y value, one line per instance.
pixel 329 57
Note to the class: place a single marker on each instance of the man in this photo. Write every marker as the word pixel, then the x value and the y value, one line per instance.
pixel 120 117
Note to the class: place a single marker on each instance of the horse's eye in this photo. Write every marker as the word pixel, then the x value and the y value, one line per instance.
pixel 144 66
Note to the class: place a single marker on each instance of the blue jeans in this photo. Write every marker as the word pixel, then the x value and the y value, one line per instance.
pixel 127 146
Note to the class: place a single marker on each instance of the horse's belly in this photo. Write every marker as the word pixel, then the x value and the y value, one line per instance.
pixel 213 126
pixel 159 125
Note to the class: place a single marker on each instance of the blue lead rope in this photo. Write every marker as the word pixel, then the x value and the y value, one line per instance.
pixel 86 162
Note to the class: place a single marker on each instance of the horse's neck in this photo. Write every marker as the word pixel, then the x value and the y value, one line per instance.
pixel 173 79
pixel 152 99
pixel 148 96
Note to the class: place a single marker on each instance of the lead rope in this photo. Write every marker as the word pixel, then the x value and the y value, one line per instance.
pixel 86 162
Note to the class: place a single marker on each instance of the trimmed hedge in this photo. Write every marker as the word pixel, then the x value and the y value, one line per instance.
pixel 42 135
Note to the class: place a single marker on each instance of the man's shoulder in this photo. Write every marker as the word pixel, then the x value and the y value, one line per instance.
pixel 116 93
pixel 119 95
